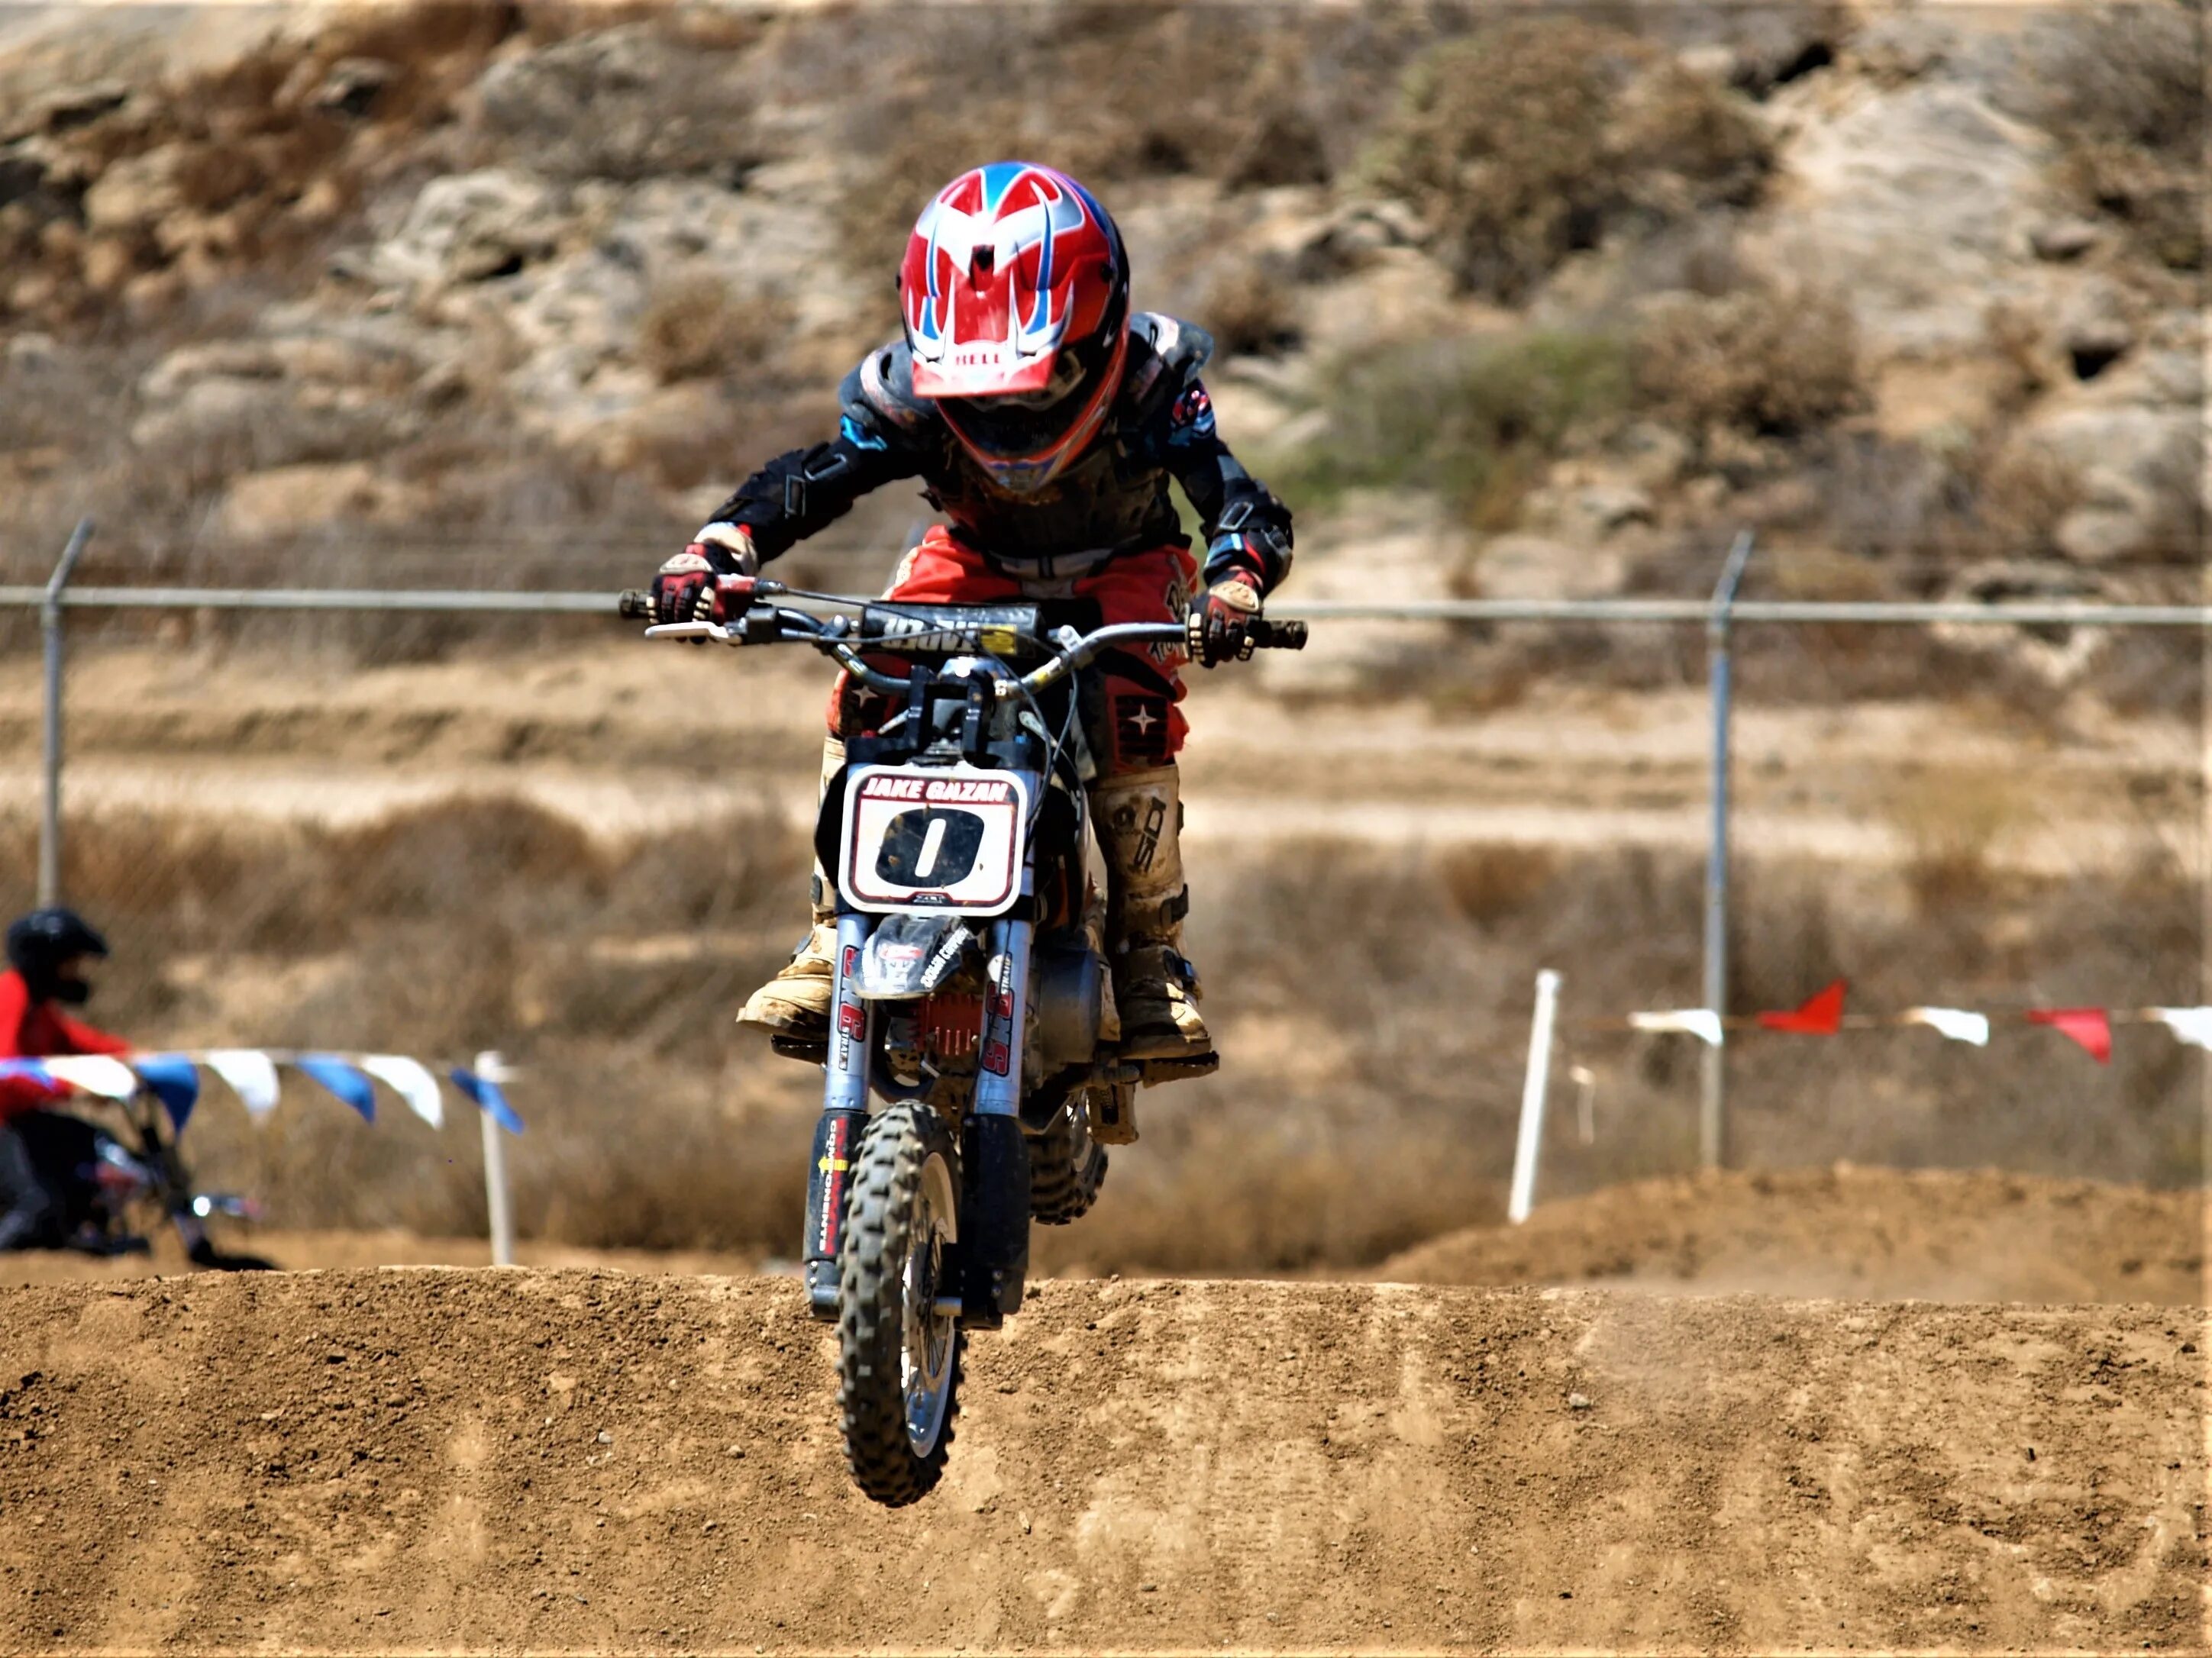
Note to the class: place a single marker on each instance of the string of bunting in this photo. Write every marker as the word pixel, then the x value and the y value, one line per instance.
pixel 1822 1015
pixel 252 1074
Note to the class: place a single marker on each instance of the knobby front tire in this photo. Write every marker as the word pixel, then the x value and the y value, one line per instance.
pixel 898 1355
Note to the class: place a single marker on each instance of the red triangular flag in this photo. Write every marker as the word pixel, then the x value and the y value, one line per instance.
pixel 2087 1025
pixel 1820 1015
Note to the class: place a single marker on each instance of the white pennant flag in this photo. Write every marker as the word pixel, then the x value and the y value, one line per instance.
pixel 95 1074
pixel 1956 1023
pixel 1702 1023
pixel 251 1076
pixel 407 1078
pixel 2192 1026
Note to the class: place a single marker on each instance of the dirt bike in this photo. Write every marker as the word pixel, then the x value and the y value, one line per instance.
pixel 106 1181
pixel 971 1061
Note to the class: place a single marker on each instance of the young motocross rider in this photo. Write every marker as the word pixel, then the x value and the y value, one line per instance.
pixel 46 952
pixel 1045 422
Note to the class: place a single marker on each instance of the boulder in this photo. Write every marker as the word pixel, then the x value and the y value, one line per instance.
pixel 1915 200
pixel 136 192
pixel 2138 471
pixel 471 227
pixel 2094 326
pixel 2062 242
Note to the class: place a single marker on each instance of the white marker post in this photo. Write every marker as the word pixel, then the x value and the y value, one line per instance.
pixel 493 1070
pixel 1533 1090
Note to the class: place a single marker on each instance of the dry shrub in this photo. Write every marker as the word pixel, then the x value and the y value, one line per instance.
pixel 1949 825
pixel 1474 419
pixel 1540 136
pixel 1950 496
pixel 1250 311
pixel 1168 90
pixel 1489 884
pixel 694 326
pixel 2124 92
pixel 1763 361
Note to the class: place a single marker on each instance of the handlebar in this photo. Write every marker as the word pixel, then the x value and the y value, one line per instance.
pixel 1076 651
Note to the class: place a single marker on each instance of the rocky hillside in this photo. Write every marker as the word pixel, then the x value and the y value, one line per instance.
pixel 1533 306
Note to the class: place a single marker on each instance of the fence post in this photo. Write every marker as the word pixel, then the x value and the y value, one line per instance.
pixel 50 628
pixel 491 1068
pixel 1712 1102
pixel 1534 1088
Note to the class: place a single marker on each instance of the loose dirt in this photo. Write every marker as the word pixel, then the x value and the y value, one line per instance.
pixel 306 1251
pixel 1846 1232
pixel 425 1458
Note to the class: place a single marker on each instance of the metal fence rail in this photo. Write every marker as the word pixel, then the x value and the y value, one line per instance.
pixel 1786 613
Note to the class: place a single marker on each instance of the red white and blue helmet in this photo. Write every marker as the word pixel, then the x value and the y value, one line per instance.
pixel 1016 294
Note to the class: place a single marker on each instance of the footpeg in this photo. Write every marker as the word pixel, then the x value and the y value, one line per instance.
pixel 1156 1072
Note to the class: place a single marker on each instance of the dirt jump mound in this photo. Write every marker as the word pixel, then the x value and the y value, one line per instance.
pixel 1850 1233
pixel 425 1458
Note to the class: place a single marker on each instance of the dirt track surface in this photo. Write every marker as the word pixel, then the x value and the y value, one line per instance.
pixel 318 1251
pixel 427 1458
pixel 1847 1232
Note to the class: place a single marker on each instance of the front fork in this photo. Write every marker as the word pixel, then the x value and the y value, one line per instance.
pixel 844 1114
pixel 994 1208
pixel 994 1218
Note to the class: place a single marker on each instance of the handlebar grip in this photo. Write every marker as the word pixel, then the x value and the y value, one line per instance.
pixel 634 606
pixel 1278 636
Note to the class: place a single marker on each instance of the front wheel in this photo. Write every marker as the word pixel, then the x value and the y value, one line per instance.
pixel 898 1325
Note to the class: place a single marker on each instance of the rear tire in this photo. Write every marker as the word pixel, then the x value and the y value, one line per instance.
pixel 1067 1168
pixel 898 1356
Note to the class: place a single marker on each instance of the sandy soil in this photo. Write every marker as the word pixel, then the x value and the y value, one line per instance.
pixel 1845 1232
pixel 426 1458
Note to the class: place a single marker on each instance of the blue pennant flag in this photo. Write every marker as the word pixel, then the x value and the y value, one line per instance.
pixel 175 1081
pixel 349 1084
pixel 486 1093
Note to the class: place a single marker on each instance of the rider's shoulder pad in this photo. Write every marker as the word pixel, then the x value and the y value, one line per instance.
pixel 882 387
pixel 1165 356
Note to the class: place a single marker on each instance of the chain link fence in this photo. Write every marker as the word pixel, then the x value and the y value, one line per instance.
pixel 357 819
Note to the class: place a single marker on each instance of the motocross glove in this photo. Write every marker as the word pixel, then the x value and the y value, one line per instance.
pixel 1221 621
pixel 693 586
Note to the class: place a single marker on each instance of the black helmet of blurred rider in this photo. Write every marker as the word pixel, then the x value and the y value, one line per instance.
pixel 49 947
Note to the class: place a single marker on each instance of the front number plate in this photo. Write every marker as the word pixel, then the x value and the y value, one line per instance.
pixel 924 839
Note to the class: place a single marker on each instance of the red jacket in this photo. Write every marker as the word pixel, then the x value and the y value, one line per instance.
pixel 31 1030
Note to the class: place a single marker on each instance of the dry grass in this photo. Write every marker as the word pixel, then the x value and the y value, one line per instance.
pixel 1374 1008
pixel 1949 824
pixel 1543 135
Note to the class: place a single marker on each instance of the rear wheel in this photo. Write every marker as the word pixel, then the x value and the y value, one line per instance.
pixel 899 1328
pixel 1067 1168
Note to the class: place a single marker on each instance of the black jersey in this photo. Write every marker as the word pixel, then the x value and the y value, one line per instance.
pixel 1111 499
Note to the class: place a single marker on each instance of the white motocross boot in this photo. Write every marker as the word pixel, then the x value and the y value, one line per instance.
pixel 1139 816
